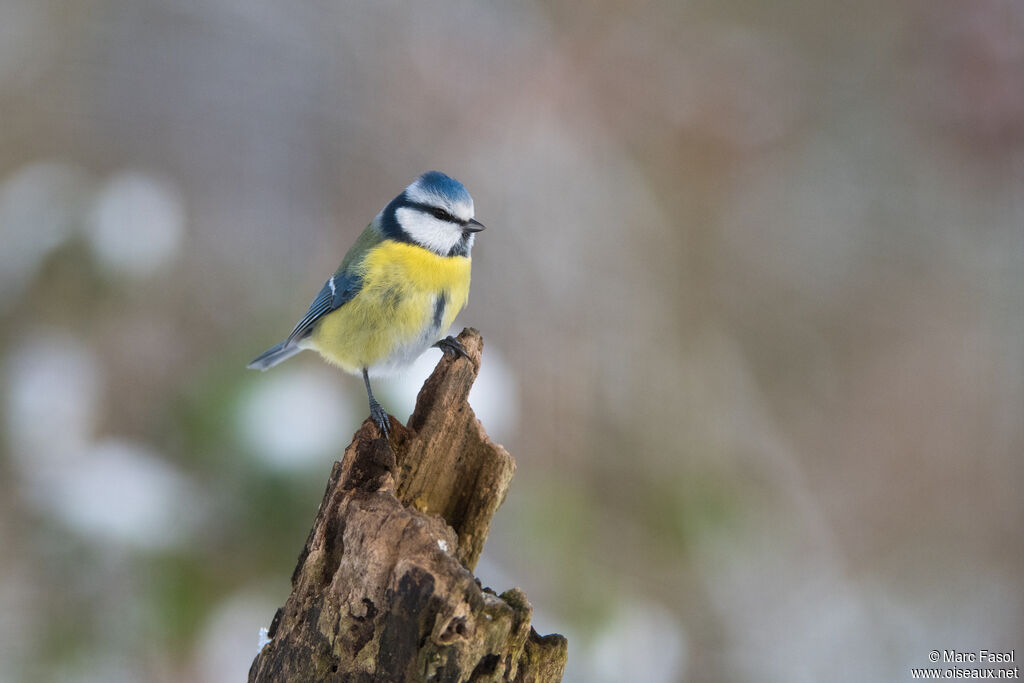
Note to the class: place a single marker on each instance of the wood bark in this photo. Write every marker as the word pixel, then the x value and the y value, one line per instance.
pixel 383 590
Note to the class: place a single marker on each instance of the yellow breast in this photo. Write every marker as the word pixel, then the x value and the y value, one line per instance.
pixel 409 298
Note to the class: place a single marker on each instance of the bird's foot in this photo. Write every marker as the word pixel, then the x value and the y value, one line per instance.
pixel 380 418
pixel 451 345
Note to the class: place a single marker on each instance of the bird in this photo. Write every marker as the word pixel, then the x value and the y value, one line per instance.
pixel 397 290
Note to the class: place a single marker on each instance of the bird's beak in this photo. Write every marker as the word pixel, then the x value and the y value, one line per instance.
pixel 473 225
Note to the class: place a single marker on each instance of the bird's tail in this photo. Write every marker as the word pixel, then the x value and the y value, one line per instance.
pixel 275 354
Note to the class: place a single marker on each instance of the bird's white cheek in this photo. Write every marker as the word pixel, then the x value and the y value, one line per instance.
pixel 436 235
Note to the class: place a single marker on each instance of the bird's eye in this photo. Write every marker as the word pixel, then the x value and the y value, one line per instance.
pixel 441 214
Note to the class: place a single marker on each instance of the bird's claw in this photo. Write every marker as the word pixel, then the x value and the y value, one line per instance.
pixel 380 418
pixel 451 345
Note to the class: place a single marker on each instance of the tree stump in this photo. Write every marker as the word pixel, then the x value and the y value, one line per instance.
pixel 383 590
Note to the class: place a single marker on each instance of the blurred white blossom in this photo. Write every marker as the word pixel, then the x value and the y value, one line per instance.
pixel 641 642
pixel 136 223
pixel 53 385
pixel 298 416
pixel 40 205
pixel 122 493
pixel 228 641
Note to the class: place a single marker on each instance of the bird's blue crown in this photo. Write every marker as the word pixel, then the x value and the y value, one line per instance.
pixel 445 187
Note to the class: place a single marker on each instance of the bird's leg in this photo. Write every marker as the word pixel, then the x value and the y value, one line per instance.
pixel 379 415
pixel 451 345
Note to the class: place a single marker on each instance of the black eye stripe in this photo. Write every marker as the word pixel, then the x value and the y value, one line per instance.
pixel 436 211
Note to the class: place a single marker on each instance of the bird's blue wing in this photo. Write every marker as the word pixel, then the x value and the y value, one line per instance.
pixel 336 292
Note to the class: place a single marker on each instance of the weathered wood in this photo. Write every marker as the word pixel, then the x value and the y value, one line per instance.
pixel 452 468
pixel 383 590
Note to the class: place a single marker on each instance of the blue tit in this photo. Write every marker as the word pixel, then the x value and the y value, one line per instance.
pixel 397 290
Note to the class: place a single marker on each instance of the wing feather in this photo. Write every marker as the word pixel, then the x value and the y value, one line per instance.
pixel 336 292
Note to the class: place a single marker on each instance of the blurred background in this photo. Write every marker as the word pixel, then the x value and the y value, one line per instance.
pixel 752 293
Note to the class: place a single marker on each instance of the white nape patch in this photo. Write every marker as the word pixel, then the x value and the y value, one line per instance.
pixel 429 232
pixel 331 283
pixel 442 544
